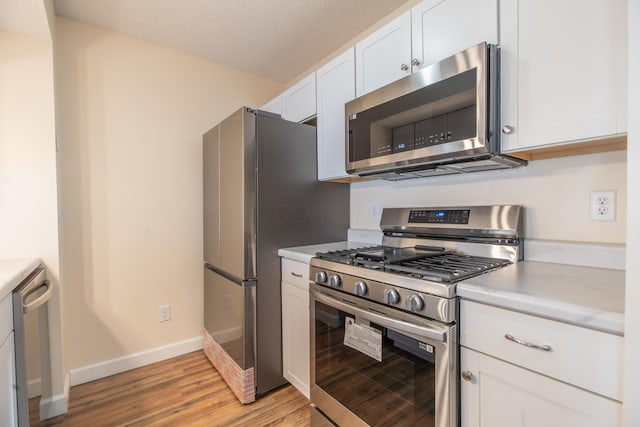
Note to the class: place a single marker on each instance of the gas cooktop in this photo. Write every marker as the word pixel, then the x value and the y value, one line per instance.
pixel 423 262
pixel 425 252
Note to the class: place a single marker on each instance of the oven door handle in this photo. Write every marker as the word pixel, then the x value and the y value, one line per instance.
pixel 434 333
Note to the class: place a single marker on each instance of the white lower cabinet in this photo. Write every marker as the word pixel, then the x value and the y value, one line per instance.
pixel 295 324
pixel 500 394
pixel 522 370
pixel 8 396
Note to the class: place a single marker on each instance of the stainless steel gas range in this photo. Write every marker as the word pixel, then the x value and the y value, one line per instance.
pixel 384 345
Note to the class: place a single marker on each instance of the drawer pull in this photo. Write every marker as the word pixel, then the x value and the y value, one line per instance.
pixel 527 344
pixel 296 274
pixel 467 375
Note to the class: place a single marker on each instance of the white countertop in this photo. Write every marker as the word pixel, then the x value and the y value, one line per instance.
pixel 583 296
pixel 305 253
pixel 13 272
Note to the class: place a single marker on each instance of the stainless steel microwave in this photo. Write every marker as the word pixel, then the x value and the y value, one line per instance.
pixel 439 120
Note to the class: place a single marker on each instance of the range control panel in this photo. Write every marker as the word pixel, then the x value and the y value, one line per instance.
pixel 454 216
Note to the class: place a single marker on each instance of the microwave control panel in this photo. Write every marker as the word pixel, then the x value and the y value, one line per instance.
pixel 454 126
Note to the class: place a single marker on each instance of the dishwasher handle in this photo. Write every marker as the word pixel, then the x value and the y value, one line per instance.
pixel 36 284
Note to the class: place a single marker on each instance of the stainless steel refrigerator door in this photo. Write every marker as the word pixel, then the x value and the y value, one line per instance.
pixel 238 195
pixel 229 315
pixel 211 190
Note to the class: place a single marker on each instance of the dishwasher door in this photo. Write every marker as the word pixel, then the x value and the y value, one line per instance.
pixel 32 294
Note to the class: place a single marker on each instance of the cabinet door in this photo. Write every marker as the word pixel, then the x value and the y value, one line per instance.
pixel 441 28
pixel 336 86
pixel 502 394
pixel 274 106
pixel 300 100
pixel 563 71
pixel 295 336
pixel 384 56
pixel 8 396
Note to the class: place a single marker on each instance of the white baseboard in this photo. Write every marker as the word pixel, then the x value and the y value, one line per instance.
pixel 34 388
pixel 132 361
pixel 55 405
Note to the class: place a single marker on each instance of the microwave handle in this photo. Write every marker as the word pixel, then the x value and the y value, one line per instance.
pixel 387 322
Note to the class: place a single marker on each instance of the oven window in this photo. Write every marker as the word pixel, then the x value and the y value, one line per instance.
pixel 399 391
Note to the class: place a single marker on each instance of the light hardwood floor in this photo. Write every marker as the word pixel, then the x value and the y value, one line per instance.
pixel 183 391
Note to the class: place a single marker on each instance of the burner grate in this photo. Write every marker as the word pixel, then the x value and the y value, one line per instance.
pixel 346 256
pixel 447 267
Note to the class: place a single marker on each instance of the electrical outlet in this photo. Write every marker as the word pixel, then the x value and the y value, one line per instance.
pixel 165 312
pixel 603 205
pixel 374 210
pixel 227 302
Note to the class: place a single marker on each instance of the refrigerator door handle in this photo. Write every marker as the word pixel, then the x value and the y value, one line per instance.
pixel 244 283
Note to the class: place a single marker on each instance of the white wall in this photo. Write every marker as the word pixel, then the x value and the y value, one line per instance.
pixel 28 205
pixel 131 119
pixel 632 294
pixel 28 184
pixel 555 193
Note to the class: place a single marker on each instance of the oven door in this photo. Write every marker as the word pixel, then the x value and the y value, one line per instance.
pixel 373 365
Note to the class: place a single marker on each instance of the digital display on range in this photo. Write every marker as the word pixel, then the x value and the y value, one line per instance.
pixel 449 216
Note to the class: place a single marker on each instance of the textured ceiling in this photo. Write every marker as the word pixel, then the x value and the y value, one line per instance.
pixel 278 39
pixel 25 16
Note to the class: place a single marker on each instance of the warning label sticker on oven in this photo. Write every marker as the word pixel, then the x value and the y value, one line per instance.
pixel 363 338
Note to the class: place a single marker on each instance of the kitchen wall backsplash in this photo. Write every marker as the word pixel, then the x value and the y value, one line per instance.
pixel 555 192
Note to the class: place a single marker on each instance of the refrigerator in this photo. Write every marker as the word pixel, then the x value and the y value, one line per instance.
pixel 260 194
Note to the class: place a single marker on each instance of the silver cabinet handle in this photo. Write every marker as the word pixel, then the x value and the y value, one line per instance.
pixel 507 129
pixel 527 344
pixel 296 274
pixel 415 61
pixel 467 375
pixel 404 67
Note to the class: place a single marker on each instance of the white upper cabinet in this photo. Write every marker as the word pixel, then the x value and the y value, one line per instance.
pixel 441 28
pixel 296 104
pixel 299 101
pixel 336 85
pixel 563 71
pixel 384 56
pixel 429 32
pixel 274 106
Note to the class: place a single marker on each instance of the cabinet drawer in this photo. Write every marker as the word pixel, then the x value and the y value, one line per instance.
pixel 295 273
pixel 579 356
pixel 6 317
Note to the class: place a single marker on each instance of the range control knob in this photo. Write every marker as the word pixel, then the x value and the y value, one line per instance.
pixel 392 296
pixel 321 277
pixel 416 303
pixel 361 289
pixel 334 281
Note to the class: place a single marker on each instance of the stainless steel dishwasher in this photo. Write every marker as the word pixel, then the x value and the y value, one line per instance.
pixel 32 294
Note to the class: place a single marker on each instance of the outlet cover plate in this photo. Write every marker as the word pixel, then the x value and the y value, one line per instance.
pixel 165 312
pixel 602 205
